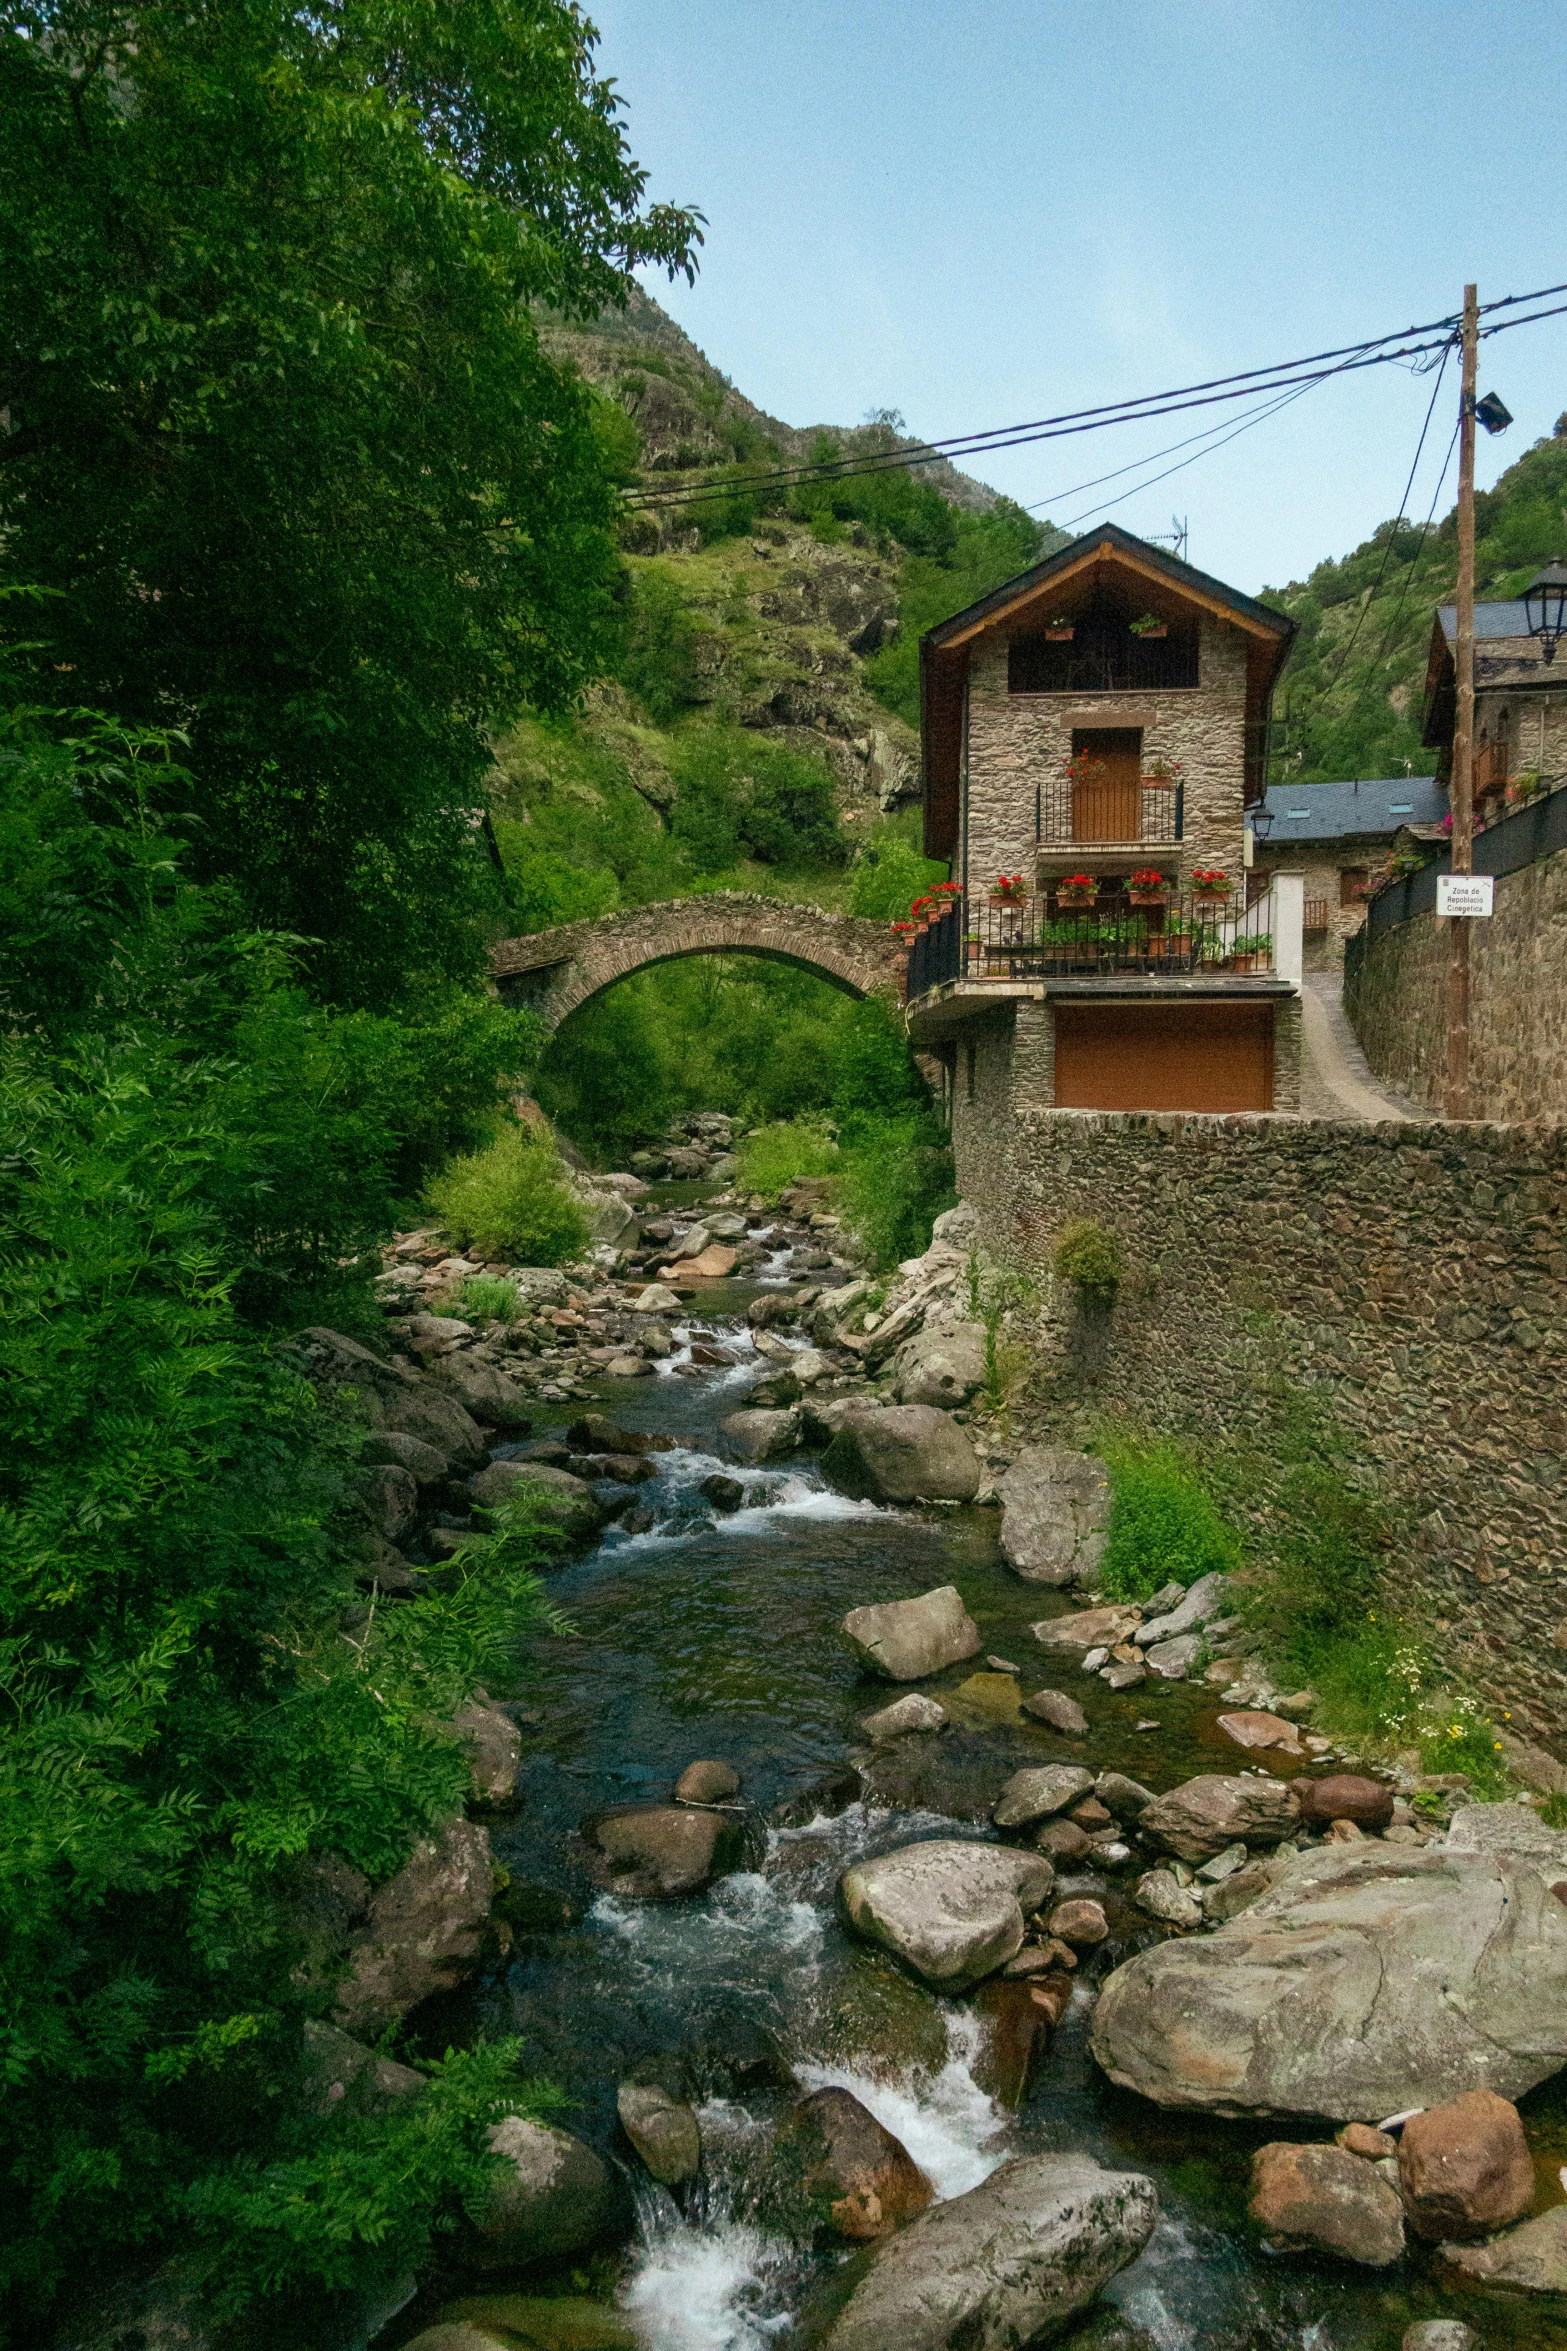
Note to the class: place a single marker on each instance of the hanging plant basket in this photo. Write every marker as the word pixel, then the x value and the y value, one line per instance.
pixel 1077 889
pixel 1211 884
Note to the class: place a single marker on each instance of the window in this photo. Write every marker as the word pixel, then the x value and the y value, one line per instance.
pixel 1351 881
pixel 1094 649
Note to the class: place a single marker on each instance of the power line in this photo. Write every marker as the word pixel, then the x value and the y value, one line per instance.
pixel 1059 497
pixel 1387 552
pixel 1258 416
pixel 1369 353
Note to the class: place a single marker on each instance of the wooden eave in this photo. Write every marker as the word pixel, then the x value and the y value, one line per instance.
pixel 1104 558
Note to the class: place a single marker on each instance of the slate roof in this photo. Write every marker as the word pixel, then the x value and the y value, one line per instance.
pixel 1335 812
pixel 1491 620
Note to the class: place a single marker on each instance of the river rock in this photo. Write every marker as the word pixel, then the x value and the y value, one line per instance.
pixel 662 1852
pixel 484 1392
pixel 1322 2197
pixel 554 1493
pixel 1165 1898
pixel 1063 1841
pixel 656 1299
pixel 1090 1628
pixel 595 1432
pixel 389 1499
pixel 423 1930
pixel 662 2128
pixel 420 1409
pixel 343 2073
pixel 903 1453
pixel 1367 1979
pixel 1004 2265
pixel 1080 1924
pixel 1059 1711
pixel 916 1712
pixel 1173 1660
pixel 761 1435
pixel 1033 1794
pixel 907 1639
pixel 1346 1796
pixel 424 1463
pixel 1364 2139
pixel 1202 1604
pixel 1055 1509
pixel 707 1783
pixel 1532 2258
pixel 1251 1729
pixel 1440 2334
pixel 853 2179
pixel 1125 1800
pixel 493 1745
pixel 1202 1816
pixel 556 2196
pixel 951 1909
pixel 1464 2168
pixel 942 1366
pixel 724 1493
pixel 1017 2029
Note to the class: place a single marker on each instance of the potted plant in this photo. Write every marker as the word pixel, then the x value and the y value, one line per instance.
pixel 1148 887
pixel 1526 786
pixel 1246 954
pixel 1211 882
pixel 1008 889
pixel 1077 889
pixel 1084 768
pixel 1149 624
pixel 1161 775
pixel 1059 631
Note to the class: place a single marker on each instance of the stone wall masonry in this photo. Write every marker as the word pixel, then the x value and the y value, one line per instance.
pixel 1412 1278
pixel 1015 741
pixel 553 972
pixel 1517 1000
pixel 1325 949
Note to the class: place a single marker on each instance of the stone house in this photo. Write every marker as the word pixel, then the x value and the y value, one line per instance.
pixel 1338 838
pixel 1520 704
pixel 1093 733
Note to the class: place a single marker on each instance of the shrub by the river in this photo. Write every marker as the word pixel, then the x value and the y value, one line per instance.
pixel 772 1157
pixel 510 1201
pixel 488 1297
pixel 1088 1255
pixel 1164 1524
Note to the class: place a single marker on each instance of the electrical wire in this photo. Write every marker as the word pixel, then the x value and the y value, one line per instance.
pixel 1258 416
pixel 1387 552
pixel 1059 497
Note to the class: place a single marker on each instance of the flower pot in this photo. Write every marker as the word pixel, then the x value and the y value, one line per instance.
pixel 1148 897
pixel 1059 636
pixel 1242 962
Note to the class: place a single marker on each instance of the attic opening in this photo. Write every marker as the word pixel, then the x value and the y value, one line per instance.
pixel 1105 642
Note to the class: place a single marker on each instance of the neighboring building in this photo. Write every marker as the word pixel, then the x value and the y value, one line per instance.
pixel 1338 837
pixel 1520 704
pixel 1095 730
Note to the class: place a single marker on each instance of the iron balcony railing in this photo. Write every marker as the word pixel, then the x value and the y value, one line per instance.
pixel 1040 937
pixel 1104 810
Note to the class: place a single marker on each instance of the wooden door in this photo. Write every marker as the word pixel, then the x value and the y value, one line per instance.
pixel 1108 806
pixel 1164 1056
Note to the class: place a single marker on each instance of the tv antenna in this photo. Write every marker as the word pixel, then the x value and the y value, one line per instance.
pixel 1174 538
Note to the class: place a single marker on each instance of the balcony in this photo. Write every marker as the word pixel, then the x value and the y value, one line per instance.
pixel 1183 938
pixel 1108 811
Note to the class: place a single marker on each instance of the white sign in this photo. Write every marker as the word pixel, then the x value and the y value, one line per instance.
pixel 1463 893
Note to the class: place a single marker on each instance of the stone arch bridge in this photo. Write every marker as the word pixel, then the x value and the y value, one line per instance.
pixel 555 971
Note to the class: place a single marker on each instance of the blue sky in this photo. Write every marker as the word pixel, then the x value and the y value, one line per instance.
pixel 978 211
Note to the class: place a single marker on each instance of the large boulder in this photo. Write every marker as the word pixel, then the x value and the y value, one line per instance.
pixel 1204 1601
pixel 942 1367
pixel 493 1745
pixel 840 2173
pixel 1055 1508
pixel 1368 1979
pixel 484 1392
pixel 554 1493
pixel 662 1852
pixel 907 1639
pixel 661 2126
pixel 425 1463
pixel 423 1931
pixel 555 2197
pixel 761 1435
pixel 1007 2264
pixel 1039 1790
pixel 343 2074
pixel 1198 1819
pixel 1464 2168
pixel 1327 2199
pixel 951 1909
pixel 1531 2259
pixel 389 1499
pixel 1343 1796
pixel 419 1409
pixel 903 1453
pixel 1090 1628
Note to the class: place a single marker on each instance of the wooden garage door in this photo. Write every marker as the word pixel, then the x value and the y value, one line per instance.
pixel 1164 1056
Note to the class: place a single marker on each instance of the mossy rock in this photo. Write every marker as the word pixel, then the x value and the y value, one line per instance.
pixel 877 2020
pixel 542 2322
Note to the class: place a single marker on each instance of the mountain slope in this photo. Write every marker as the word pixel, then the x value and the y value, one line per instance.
pixel 1349 703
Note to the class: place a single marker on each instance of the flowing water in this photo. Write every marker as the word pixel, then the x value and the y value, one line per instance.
pixel 716 1636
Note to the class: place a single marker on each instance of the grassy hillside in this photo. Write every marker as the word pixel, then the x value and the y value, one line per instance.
pixel 1350 700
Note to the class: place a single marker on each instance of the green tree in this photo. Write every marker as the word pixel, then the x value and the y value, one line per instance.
pixel 281 432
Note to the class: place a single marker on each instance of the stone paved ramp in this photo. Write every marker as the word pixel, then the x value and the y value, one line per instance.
pixel 1336 1079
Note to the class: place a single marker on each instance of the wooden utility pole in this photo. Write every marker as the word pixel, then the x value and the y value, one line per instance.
pixel 1462 794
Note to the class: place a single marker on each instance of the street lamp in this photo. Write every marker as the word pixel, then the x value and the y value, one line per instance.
pixel 1261 823
pixel 1545 603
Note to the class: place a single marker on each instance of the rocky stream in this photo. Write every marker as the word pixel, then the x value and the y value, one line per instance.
pixel 932 1955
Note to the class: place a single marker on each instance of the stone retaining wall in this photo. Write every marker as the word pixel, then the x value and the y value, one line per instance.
pixel 1413 1278
pixel 1517 1000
